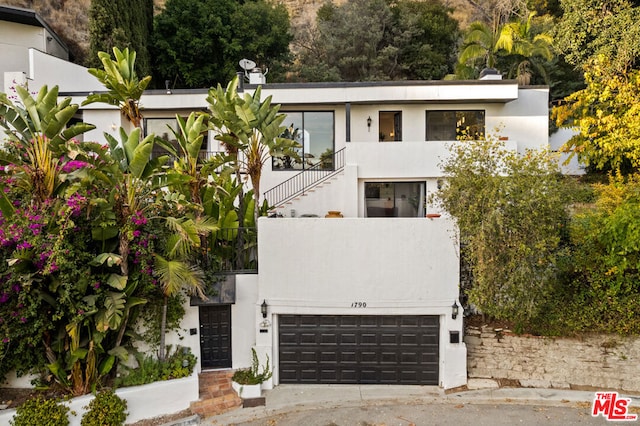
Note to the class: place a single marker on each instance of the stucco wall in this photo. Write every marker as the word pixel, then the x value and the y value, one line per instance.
pixel 392 266
pixel 590 362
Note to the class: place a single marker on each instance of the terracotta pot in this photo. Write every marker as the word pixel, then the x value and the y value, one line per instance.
pixel 333 213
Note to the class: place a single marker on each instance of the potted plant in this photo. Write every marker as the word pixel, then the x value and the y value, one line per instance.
pixel 247 382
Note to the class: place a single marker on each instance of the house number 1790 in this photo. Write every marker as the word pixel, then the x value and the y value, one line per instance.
pixel 359 305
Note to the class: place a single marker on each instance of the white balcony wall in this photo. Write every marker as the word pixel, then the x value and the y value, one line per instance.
pixel 52 71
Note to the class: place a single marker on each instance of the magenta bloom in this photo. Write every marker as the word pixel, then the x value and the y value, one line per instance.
pixel 74 165
pixel 138 219
pixel 24 245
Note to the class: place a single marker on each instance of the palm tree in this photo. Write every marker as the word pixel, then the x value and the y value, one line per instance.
pixel 480 43
pixel 527 48
pixel 174 270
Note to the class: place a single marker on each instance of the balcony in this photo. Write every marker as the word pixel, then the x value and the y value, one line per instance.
pixel 394 160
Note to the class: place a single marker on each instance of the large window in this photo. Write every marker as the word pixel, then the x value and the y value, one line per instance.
pixel 161 128
pixel 313 130
pixel 390 127
pixel 451 125
pixel 395 199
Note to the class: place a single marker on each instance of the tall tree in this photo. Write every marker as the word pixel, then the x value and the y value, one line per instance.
pixel 198 43
pixel 590 28
pixel 373 40
pixel 607 115
pixel 122 24
pixel 425 34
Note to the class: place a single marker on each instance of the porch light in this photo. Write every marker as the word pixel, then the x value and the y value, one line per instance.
pixel 454 310
pixel 369 123
pixel 263 308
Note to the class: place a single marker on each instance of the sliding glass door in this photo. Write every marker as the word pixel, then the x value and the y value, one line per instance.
pixel 395 199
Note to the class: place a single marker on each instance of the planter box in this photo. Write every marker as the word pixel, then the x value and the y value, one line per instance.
pixel 143 402
pixel 247 391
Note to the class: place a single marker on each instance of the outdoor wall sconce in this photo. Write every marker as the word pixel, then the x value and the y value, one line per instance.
pixel 263 309
pixel 369 123
pixel 454 310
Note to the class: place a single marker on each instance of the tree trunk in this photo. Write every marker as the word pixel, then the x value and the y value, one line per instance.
pixel 163 326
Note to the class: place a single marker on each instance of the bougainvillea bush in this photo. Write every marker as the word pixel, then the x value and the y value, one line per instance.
pixel 81 228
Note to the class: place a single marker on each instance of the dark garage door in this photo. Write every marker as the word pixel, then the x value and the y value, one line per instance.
pixel 358 349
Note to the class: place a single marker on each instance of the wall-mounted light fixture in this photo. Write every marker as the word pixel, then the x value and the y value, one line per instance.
pixel 166 85
pixel 454 310
pixel 369 123
pixel 263 308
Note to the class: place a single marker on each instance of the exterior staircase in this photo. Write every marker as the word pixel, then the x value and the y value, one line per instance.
pixel 216 394
pixel 304 182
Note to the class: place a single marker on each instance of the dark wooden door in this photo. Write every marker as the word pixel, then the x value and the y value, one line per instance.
pixel 389 349
pixel 215 336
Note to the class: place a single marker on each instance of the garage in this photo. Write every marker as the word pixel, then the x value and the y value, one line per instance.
pixel 359 349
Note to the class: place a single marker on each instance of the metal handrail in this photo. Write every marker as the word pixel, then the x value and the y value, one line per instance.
pixel 304 181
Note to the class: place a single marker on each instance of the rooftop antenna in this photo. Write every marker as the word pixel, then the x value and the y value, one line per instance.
pixel 252 73
pixel 247 65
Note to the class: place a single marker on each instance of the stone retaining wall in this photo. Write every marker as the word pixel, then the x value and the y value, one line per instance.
pixel 597 362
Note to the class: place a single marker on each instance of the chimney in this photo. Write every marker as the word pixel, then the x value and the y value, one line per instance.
pixel 490 74
pixel 257 77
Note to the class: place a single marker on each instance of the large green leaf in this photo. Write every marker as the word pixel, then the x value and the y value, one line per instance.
pixel 111 259
pixel 111 316
pixel 119 282
pixel 106 365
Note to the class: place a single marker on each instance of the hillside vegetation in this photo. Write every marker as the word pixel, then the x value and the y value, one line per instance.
pixel 70 18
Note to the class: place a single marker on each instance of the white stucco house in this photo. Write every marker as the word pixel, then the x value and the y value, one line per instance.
pixel 369 297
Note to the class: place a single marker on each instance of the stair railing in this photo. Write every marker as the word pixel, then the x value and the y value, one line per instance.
pixel 304 181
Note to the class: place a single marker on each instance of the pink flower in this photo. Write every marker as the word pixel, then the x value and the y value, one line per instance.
pixel 74 165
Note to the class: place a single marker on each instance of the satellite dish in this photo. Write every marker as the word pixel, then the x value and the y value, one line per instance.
pixel 247 64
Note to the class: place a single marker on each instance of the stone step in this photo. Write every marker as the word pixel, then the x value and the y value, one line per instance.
pixel 216 394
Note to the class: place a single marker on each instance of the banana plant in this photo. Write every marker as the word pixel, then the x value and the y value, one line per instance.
pixel 40 128
pixel 252 127
pixel 124 87
pixel 188 176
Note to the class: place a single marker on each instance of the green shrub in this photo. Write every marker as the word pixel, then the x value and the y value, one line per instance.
pixel 41 412
pixel 177 365
pixel 253 375
pixel 106 409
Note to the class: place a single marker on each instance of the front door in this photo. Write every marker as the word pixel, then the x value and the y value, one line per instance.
pixel 215 336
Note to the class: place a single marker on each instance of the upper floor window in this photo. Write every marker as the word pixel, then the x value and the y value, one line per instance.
pixel 451 125
pixel 390 127
pixel 314 131
pixel 161 128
